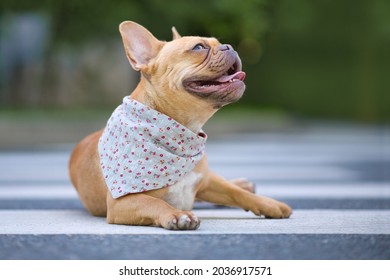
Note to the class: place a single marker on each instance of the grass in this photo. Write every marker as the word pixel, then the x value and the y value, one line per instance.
pixel 231 112
pixel 54 114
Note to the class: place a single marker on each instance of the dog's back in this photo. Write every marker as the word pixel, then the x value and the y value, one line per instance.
pixel 82 170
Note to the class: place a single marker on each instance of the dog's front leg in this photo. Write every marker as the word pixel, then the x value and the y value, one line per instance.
pixel 223 192
pixel 142 209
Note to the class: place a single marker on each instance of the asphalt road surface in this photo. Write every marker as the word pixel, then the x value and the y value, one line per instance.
pixel 337 179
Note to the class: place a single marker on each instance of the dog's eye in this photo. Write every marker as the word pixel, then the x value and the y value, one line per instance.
pixel 198 47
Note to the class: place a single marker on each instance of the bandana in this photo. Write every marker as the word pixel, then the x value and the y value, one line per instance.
pixel 142 149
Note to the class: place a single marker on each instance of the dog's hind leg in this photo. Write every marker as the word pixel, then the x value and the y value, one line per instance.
pixel 245 184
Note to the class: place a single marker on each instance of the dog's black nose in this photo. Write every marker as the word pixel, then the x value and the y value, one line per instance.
pixel 224 47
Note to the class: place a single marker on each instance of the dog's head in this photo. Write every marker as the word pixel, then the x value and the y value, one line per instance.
pixel 199 66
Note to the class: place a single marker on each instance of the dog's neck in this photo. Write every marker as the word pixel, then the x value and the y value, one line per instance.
pixel 191 113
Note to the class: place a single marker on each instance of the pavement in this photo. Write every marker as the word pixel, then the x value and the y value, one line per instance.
pixel 335 176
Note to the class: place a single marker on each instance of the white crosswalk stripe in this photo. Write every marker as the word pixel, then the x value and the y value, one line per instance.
pixel 327 190
pixel 213 222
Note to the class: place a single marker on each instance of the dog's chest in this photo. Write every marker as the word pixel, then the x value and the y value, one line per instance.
pixel 181 195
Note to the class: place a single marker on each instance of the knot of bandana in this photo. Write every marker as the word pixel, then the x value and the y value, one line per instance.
pixel 142 149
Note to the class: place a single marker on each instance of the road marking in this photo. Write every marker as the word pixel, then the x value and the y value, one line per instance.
pixel 348 190
pixel 227 221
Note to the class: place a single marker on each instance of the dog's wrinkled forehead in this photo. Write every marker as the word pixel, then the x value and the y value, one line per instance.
pixel 191 41
pixel 191 45
pixel 188 53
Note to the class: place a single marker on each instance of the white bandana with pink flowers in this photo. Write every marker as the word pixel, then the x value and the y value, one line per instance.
pixel 142 149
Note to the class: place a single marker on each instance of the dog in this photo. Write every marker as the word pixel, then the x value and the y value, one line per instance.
pixel 148 165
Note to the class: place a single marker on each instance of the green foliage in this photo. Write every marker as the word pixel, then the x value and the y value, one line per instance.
pixel 313 58
pixel 329 58
pixel 74 21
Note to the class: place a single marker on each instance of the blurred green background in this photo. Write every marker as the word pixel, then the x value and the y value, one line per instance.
pixel 325 59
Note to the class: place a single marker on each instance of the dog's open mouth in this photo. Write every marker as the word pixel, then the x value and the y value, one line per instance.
pixel 229 81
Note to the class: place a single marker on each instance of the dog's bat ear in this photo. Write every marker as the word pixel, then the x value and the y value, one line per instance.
pixel 175 34
pixel 140 45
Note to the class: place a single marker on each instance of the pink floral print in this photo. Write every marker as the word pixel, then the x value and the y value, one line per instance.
pixel 142 149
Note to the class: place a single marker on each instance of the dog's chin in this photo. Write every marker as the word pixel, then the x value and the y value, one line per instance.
pixel 222 90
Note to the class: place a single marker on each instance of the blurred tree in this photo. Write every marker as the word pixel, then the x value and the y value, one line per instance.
pixel 313 58
pixel 76 21
pixel 328 58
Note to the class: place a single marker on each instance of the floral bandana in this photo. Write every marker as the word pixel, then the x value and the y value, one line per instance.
pixel 142 149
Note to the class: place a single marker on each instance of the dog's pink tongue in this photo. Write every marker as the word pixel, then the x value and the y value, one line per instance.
pixel 238 76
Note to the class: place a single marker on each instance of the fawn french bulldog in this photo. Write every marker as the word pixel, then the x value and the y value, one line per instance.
pixel 148 165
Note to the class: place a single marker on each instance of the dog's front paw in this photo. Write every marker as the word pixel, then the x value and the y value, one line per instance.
pixel 180 221
pixel 271 208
